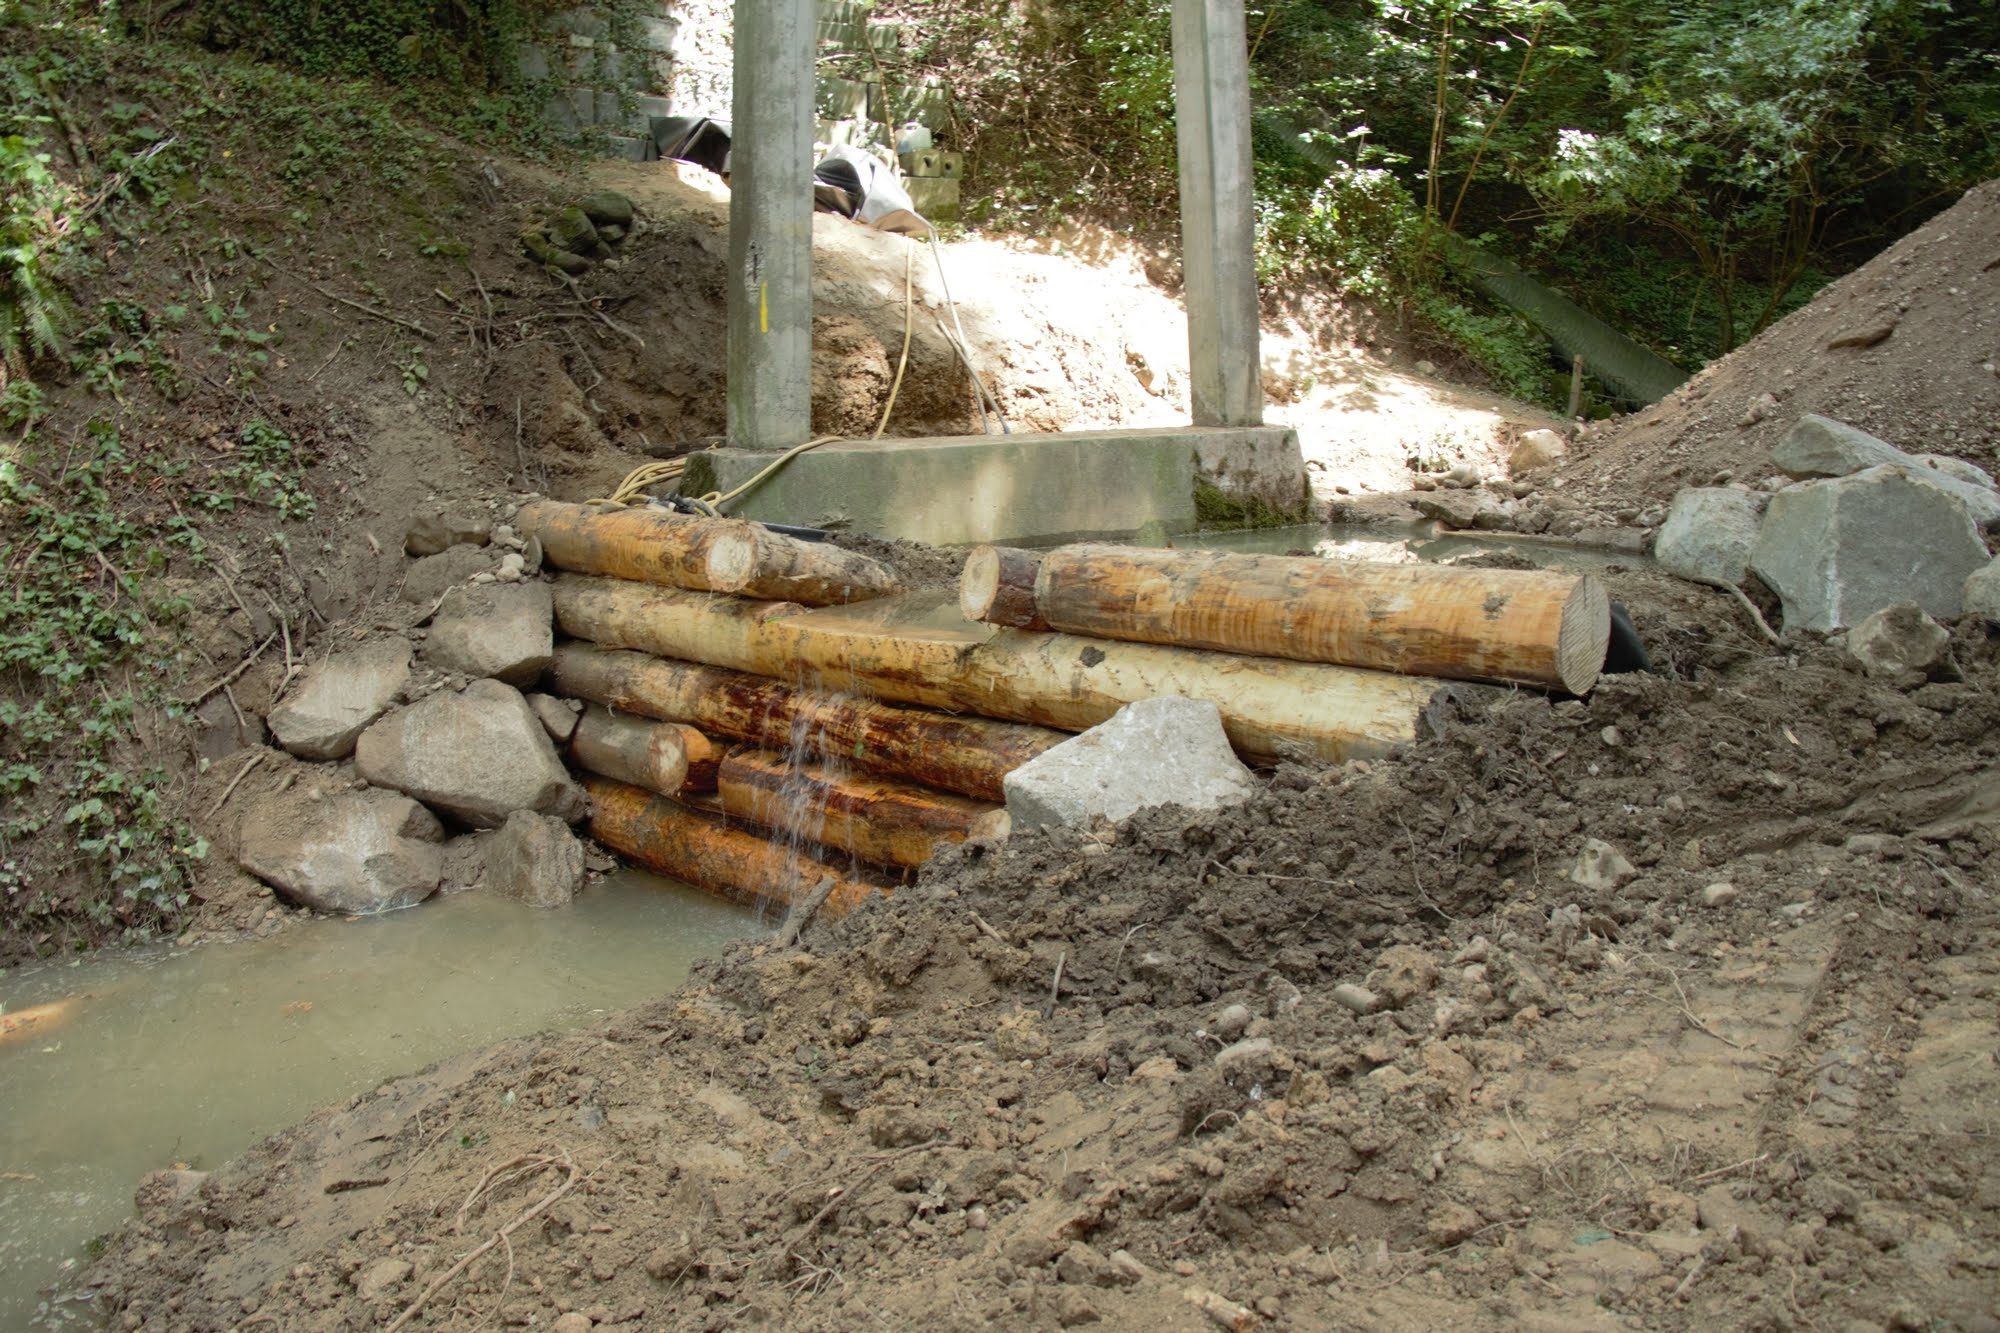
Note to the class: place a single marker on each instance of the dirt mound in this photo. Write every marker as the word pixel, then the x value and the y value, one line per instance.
pixel 1660 997
pixel 1906 347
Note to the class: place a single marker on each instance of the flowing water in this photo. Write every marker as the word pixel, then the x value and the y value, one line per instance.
pixel 167 1056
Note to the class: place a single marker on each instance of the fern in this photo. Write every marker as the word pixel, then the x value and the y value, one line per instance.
pixel 34 205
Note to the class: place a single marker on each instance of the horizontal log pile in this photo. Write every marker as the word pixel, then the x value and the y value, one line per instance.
pixel 754 746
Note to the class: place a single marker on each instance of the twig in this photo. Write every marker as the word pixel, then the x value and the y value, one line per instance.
pixel 802 914
pixel 605 319
pixel 499 1237
pixel 1055 986
pixel 1118 963
pixel 241 774
pixel 841 1192
pixel 383 315
pixel 1700 1260
pixel 993 934
pixel 229 679
pixel 1722 585
pixel 1725 1170
pixel 1687 1010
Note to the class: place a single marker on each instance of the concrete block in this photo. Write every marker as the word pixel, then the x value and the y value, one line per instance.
pixel 646 106
pixel 882 35
pixel 924 163
pixel 658 34
pixel 573 109
pixel 934 197
pixel 1838 550
pixel 1150 753
pixel 1028 487
pixel 610 109
pixel 659 76
pixel 1709 533
pixel 532 62
pixel 583 22
pixel 843 99
pixel 929 104
pixel 626 147
pixel 951 165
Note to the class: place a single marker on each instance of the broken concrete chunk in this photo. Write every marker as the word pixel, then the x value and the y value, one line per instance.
pixel 478 755
pixel 506 632
pixel 1839 550
pixel 354 852
pixel 1709 533
pixel 1151 752
pixel 1601 866
pixel 1896 639
pixel 338 698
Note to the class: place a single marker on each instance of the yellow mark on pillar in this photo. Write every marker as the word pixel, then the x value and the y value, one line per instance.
pixel 763 307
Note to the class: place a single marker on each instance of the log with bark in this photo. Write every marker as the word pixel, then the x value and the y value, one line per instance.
pixel 706 851
pixel 960 754
pixel 727 555
pixel 877 819
pixel 667 757
pixel 1509 626
pixel 1272 709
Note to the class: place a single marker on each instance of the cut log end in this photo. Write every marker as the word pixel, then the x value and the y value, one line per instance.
pixel 730 558
pixel 1584 635
pixel 997 587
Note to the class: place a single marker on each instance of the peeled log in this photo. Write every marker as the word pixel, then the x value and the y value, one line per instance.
pixel 1526 627
pixel 1271 709
pixel 672 840
pixel 881 820
pixel 703 554
pixel 961 754
pixel 997 586
pixel 666 757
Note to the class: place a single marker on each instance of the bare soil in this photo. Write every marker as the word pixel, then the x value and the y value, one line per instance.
pixel 1736 1071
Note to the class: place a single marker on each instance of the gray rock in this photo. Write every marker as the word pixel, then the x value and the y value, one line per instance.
pixel 1536 449
pixel 430 577
pixel 1819 446
pixel 607 208
pixel 1150 752
pixel 357 852
pixel 1982 592
pixel 1601 866
pixel 338 698
pixel 434 531
pixel 1454 509
pixel 478 755
pixel 1839 550
pixel 380 1278
pixel 534 858
pixel 506 632
pixel 1896 639
pixel 1709 533
pixel 558 716
pixel 1969 473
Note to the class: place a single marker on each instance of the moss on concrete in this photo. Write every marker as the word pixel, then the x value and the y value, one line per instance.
pixel 1215 508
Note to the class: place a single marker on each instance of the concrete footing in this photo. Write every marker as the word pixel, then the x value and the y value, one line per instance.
pixel 1025 488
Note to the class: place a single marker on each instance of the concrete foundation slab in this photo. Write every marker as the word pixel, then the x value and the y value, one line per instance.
pixel 1025 488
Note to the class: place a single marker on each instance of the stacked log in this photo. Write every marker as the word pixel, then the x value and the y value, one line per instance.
pixel 750 745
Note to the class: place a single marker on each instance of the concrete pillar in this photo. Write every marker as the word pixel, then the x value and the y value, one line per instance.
pixel 770 225
pixel 1212 115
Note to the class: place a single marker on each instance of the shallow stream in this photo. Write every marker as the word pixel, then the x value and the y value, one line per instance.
pixel 172 1056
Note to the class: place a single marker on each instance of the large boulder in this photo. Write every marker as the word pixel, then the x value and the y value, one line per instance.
pixel 338 698
pixel 505 631
pixel 1152 752
pixel 357 852
pixel 1709 533
pixel 534 858
pixel 1839 550
pixel 1819 446
pixel 431 576
pixel 1535 450
pixel 1982 592
pixel 478 755
pixel 1822 447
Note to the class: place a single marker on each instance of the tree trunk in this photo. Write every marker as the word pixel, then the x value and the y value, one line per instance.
pixel 665 757
pixel 998 587
pixel 961 754
pixel 1271 709
pixel 704 554
pixel 672 840
pixel 881 820
pixel 1511 626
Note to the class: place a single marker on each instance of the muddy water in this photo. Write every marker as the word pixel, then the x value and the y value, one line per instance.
pixel 190 1056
